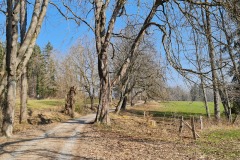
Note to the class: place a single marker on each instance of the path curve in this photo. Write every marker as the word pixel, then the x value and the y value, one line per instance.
pixel 60 142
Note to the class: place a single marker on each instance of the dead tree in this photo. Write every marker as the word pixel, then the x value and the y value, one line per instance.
pixel 70 102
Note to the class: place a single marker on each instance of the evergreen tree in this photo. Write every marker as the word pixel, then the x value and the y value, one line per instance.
pixel 50 71
pixel 41 73
pixel 36 73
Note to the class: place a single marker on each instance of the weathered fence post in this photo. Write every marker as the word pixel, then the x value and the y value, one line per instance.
pixel 181 126
pixel 193 128
pixel 201 122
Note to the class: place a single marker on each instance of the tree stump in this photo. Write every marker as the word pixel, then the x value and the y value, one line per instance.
pixel 70 102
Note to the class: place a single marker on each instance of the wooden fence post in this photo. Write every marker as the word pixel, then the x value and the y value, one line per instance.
pixel 193 128
pixel 201 122
pixel 181 126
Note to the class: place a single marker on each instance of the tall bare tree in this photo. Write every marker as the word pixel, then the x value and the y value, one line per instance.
pixel 17 57
pixel 83 62
pixel 211 52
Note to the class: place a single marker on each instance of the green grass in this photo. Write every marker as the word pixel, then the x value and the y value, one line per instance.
pixel 221 143
pixel 43 103
pixel 186 107
pixel 176 108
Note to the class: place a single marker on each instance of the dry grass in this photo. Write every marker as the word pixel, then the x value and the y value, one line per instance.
pixel 214 142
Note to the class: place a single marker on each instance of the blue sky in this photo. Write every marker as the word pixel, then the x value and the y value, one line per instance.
pixel 62 34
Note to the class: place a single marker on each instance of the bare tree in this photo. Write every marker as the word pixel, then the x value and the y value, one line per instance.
pixel 82 58
pixel 17 58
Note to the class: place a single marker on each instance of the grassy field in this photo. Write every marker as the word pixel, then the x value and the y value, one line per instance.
pixel 174 108
pixel 43 103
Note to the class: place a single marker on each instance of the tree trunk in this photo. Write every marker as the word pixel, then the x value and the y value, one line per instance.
pixel 212 62
pixel 124 104
pixel 92 102
pixel 119 105
pixel 103 108
pixel 225 101
pixel 16 59
pixel 11 57
pixel 103 36
pixel 205 97
pixel 23 97
pixel 24 83
pixel 124 91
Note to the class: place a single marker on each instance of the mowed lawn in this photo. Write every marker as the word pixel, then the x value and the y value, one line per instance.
pixel 175 108
pixel 187 107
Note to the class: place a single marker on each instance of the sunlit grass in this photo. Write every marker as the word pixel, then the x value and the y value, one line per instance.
pixel 223 142
pixel 43 103
pixel 195 107
pixel 177 108
pixel 55 104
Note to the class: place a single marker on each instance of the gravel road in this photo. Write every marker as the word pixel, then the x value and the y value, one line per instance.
pixel 61 141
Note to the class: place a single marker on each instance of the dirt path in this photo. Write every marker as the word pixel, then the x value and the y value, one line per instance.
pixel 61 141
pixel 78 140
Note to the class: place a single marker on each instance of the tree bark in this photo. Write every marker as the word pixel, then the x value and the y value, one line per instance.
pixel 11 56
pixel 23 97
pixel 103 108
pixel 92 102
pixel 205 98
pixel 124 104
pixel 124 90
pixel 120 103
pixel 24 83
